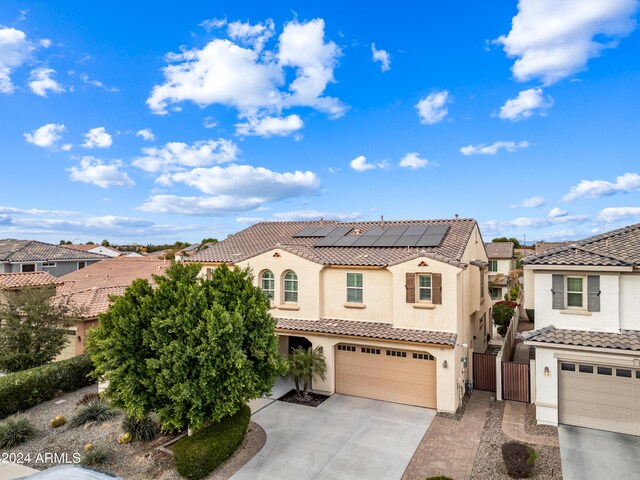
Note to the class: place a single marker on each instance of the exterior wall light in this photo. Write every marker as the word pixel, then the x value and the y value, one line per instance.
pixel 547 373
pixel 445 364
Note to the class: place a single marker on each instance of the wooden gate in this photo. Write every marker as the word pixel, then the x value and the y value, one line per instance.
pixel 484 371
pixel 516 382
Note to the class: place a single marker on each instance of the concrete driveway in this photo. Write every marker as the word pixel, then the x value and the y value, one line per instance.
pixel 594 454
pixel 345 438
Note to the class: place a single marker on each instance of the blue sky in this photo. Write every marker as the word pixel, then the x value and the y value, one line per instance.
pixel 137 122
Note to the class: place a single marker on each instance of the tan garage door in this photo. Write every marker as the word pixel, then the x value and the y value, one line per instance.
pixel 399 376
pixel 600 396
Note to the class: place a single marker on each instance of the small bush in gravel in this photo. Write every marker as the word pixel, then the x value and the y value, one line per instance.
pixel 95 411
pixel 143 430
pixel 16 430
pixel 519 459
pixel 95 456
pixel 58 421
pixel 87 397
pixel 439 477
pixel 198 455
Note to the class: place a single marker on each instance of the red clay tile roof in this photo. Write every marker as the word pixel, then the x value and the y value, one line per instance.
pixel 619 248
pixel 544 246
pixel 265 236
pixel 10 281
pixel 91 287
pixel 34 251
pixel 499 280
pixel 625 340
pixel 372 330
pixel 499 250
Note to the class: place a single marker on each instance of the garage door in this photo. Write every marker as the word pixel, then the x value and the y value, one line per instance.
pixel 600 396
pixel 399 376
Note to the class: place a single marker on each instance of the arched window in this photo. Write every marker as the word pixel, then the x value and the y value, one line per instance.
pixel 291 287
pixel 268 284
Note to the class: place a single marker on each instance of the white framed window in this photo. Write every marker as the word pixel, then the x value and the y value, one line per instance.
pixel 268 284
pixel 496 293
pixel 49 265
pixel 291 287
pixel 574 292
pixel 493 265
pixel 424 288
pixel 354 288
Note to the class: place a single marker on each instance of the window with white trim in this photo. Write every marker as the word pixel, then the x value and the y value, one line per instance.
pixel 574 292
pixel 354 288
pixel 496 293
pixel 424 288
pixel 291 287
pixel 493 265
pixel 49 265
pixel 268 284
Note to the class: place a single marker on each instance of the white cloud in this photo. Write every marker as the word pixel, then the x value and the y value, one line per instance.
pixel 628 182
pixel 66 147
pixel 531 202
pixel 41 82
pixel 212 24
pixel 613 214
pixel 270 126
pixel 250 220
pixel 15 50
pixel 525 105
pixel 557 212
pixel 554 39
pixel 178 155
pixel 232 189
pixel 97 138
pixel 301 215
pixel 252 35
pixel 209 122
pixel 46 136
pixel 146 134
pixel 535 222
pixel 412 160
pixel 96 83
pixel 360 164
pixel 252 81
pixel 381 56
pixel 433 108
pixel 494 148
pixel 45 42
pixel 97 172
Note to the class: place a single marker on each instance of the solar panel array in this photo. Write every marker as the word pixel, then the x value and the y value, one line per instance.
pixel 395 236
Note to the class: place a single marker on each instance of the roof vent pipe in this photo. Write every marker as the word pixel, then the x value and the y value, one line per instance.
pixel 456 216
pixel 382 220
pixel 322 221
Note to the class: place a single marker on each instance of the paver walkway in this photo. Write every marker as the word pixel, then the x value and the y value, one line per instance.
pixel 513 426
pixel 449 447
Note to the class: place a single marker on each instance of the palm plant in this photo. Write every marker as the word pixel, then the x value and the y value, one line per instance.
pixel 304 364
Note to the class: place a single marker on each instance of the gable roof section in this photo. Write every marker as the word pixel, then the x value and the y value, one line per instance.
pixel 91 287
pixel 500 250
pixel 11 281
pixel 619 248
pixel 625 340
pixel 33 251
pixel 544 246
pixel 265 236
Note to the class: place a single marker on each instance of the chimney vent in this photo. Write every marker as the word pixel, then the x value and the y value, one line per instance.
pixel 456 216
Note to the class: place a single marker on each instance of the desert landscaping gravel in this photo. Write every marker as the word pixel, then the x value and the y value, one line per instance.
pixel 134 461
pixel 488 464
pixel 531 425
pixel 459 412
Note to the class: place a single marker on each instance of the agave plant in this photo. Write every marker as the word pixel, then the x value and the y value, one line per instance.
pixel 95 410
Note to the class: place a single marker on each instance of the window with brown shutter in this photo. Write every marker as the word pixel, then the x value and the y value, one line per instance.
pixel 411 287
pixel 436 285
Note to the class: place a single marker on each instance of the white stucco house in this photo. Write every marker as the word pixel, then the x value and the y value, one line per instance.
pixel 502 260
pixel 398 307
pixel 586 297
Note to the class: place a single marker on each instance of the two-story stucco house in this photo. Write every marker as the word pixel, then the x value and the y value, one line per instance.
pixel 21 256
pixel 586 297
pixel 397 307
pixel 502 261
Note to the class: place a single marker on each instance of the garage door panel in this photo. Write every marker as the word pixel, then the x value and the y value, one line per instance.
pixel 399 379
pixel 595 400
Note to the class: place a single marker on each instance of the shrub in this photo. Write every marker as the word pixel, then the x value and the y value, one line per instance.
pixel 531 314
pixel 143 430
pixel 87 397
pixel 95 456
pixel 519 459
pixel 16 430
pixel 95 411
pixel 26 389
pixel 58 421
pixel 439 477
pixel 198 455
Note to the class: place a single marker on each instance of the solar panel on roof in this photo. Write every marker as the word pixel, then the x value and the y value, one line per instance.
pixel 416 230
pixel 326 241
pixel 306 232
pixel 366 240
pixel 340 231
pixel 323 231
pixel 396 230
pixel 407 241
pixel 438 229
pixel 430 240
pixel 346 241
pixel 377 231
pixel 386 241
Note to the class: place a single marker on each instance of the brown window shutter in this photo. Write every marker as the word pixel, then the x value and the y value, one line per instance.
pixel 436 286
pixel 411 288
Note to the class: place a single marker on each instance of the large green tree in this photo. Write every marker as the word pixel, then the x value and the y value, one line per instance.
pixel 33 327
pixel 191 349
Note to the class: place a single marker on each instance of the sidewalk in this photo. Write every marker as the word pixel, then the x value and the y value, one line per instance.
pixel 449 447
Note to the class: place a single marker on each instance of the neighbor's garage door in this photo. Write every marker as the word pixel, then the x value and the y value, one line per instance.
pixel 600 396
pixel 398 376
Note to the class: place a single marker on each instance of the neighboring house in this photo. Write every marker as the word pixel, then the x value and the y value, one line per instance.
pixel 541 247
pixel 17 256
pixel 398 308
pixel 586 297
pixel 106 251
pixel 91 288
pixel 502 260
